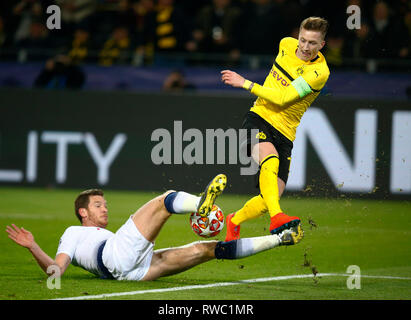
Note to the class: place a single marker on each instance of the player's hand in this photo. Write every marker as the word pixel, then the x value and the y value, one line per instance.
pixel 232 78
pixel 20 236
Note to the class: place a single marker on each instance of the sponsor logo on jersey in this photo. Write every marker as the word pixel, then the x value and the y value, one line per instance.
pixel 279 78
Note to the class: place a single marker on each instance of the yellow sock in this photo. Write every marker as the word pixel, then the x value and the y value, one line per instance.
pixel 253 208
pixel 269 184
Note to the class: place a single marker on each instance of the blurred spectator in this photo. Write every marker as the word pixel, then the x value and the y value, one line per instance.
pixel 9 19
pixel 133 17
pixel 176 81
pixel 109 15
pixel 60 73
pixel 387 37
pixel 29 13
pixel 191 7
pixel 37 37
pixel 76 13
pixel 3 35
pixel 334 50
pixel 116 48
pixel 166 28
pixel 142 8
pixel 292 13
pixel 80 45
pixel 263 27
pixel 125 16
pixel 401 7
pixel 218 28
pixel 205 26
pixel 403 11
pixel 354 45
pixel 335 39
pixel 407 21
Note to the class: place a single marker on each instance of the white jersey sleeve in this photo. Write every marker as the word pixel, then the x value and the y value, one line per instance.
pixel 68 242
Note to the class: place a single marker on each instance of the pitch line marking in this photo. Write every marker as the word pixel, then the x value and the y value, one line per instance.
pixel 224 284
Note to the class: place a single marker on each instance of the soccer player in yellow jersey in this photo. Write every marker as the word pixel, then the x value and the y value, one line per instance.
pixel 295 80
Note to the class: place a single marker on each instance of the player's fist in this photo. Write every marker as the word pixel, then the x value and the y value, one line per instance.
pixel 232 78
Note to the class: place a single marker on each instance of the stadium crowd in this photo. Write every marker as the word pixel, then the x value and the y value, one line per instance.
pixel 108 32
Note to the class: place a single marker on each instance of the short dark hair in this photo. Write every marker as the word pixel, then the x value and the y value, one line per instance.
pixel 83 200
pixel 315 24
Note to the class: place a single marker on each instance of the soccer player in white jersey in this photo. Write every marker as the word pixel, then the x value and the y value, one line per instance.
pixel 129 253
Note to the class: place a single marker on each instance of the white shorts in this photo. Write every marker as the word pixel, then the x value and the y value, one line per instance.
pixel 127 254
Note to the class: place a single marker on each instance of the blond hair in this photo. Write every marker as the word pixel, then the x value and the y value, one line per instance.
pixel 315 24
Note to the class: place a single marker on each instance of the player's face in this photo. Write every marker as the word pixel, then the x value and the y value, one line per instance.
pixel 97 212
pixel 309 43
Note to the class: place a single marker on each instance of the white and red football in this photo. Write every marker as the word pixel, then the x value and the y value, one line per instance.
pixel 208 226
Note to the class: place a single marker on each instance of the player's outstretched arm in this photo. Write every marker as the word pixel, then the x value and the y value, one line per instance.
pixel 280 98
pixel 25 239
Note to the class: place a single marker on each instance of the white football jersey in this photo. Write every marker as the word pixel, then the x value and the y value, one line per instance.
pixel 81 245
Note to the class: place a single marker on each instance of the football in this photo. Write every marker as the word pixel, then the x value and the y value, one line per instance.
pixel 208 226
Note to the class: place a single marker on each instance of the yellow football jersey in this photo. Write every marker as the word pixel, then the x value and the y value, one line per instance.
pixel 290 88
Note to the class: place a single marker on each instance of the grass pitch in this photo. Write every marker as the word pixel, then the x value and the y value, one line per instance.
pixel 373 235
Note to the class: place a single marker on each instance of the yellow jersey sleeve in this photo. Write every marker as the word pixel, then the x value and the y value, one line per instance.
pixel 316 78
pixel 278 97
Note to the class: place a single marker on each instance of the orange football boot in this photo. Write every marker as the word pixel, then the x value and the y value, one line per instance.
pixel 281 221
pixel 233 230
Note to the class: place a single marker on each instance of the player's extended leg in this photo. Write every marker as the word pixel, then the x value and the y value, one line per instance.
pixel 150 218
pixel 272 187
pixel 213 190
pixel 170 261
pixel 266 156
pixel 253 208
pixel 166 262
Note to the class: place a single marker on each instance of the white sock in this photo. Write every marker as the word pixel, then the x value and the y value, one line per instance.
pixel 250 246
pixel 185 202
